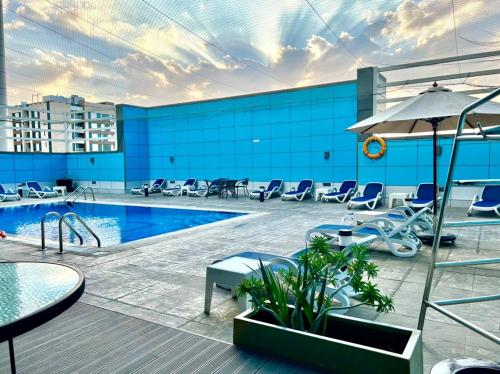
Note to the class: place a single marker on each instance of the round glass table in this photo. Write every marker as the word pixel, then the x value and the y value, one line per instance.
pixel 32 293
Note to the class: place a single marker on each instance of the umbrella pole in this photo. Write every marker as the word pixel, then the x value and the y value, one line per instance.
pixel 435 170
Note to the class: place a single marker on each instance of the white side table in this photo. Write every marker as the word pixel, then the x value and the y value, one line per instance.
pixel 230 272
pixel 399 196
pixel 60 190
pixel 319 192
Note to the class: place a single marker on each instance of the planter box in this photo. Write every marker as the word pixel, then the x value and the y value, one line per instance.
pixel 352 345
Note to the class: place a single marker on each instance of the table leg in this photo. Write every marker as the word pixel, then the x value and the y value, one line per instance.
pixel 209 287
pixel 12 357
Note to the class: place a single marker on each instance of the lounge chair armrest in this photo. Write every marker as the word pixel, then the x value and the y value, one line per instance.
pixel 475 199
pixel 386 222
pixel 333 189
pixel 292 189
pixel 284 261
pixel 406 209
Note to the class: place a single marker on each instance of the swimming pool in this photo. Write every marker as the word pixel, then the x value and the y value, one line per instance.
pixel 114 224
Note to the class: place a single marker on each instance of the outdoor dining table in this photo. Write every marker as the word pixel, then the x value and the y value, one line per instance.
pixel 31 294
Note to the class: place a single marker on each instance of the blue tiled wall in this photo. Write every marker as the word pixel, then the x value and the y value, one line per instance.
pixel 282 135
pixel 96 167
pixel 272 135
pixel 136 144
pixel 16 168
pixel 409 162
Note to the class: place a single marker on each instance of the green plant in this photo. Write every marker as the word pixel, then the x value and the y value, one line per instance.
pixel 312 287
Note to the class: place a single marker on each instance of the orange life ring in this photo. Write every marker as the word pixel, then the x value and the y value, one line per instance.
pixel 381 152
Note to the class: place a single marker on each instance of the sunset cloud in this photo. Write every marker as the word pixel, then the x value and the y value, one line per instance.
pixel 126 51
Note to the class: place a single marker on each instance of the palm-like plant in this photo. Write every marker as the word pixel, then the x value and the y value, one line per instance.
pixel 312 287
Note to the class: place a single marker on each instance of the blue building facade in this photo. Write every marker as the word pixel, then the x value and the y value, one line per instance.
pixel 292 135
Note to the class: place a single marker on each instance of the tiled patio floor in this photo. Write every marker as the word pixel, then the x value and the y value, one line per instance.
pixel 162 280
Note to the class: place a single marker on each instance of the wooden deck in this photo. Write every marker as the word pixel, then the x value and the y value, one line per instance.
pixel 88 339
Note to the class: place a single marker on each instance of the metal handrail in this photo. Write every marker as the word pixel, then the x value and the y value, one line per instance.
pixel 82 191
pixel 439 228
pixel 77 217
pixel 79 188
pixel 70 226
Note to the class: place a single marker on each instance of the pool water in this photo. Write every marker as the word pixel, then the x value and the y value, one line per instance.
pixel 114 224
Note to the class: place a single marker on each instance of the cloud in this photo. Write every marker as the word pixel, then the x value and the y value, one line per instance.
pixel 36 10
pixel 318 47
pixel 344 35
pixel 14 25
pixel 424 21
pixel 243 47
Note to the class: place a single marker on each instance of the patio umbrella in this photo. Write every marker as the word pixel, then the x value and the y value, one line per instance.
pixel 436 109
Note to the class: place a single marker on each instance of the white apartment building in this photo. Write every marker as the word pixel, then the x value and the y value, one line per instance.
pixel 62 124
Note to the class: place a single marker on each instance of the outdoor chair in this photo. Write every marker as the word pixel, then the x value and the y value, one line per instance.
pixel 8 194
pixel 226 187
pixel 346 190
pixel 155 187
pixel 424 197
pixel 206 189
pixel 273 189
pixel 371 196
pixel 303 190
pixel 35 189
pixel 394 234
pixel 242 184
pixel 179 189
pixel 209 188
pixel 489 201
pixel 422 221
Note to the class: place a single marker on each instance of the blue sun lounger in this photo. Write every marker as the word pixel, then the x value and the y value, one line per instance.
pixel 371 196
pixel 304 189
pixel 274 188
pixel 34 189
pixel 489 201
pixel 346 190
pixel 178 189
pixel 154 188
pixel 424 198
pixel 206 189
pixel 7 194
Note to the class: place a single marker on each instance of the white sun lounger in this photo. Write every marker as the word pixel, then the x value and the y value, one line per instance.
pixel 34 189
pixel 393 234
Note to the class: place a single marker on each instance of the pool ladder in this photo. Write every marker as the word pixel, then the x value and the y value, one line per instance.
pixel 79 192
pixel 62 219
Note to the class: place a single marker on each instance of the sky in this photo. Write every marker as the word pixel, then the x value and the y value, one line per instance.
pixel 153 52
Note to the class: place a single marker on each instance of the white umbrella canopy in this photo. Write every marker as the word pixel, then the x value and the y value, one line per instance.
pixel 436 109
pixel 437 104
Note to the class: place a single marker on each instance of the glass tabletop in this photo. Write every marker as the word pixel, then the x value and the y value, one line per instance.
pixel 29 287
